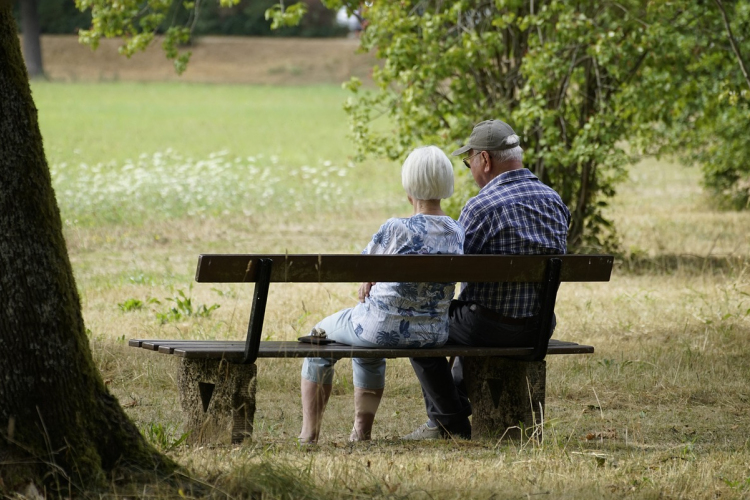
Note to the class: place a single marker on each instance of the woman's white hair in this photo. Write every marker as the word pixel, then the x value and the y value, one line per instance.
pixel 508 154
pixel 427 174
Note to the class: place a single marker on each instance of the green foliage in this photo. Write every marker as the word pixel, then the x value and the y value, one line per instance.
pixel 578 81
pixel 242 18
pixel 165 437
pixel 739 484
pixel 695 101
pixel 281 16
pixel 464 188
pixel 556 71
pixel 184 307
pixel 138 22
pixel 248 18
pixel 130 305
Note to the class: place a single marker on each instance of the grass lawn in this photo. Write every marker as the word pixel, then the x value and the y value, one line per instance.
pixel 150 175
pixel 127 153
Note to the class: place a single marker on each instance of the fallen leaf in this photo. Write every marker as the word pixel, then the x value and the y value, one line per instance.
pixel 605 434
pixel 130 404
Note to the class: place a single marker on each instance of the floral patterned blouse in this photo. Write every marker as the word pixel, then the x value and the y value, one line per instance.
pixel 409 314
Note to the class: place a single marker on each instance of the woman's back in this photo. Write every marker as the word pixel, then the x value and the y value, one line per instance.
pixel 409 314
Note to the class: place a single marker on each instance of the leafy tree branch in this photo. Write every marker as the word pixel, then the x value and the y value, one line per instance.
pixel 733 41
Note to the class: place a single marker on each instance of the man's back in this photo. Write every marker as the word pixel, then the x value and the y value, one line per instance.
pixel 514 214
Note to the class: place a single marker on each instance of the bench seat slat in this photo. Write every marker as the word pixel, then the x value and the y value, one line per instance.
pixel 155 345
pixel 308 268
pixel 169 348
pixel 234 350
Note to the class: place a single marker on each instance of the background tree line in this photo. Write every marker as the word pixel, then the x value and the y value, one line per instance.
pixel 246 18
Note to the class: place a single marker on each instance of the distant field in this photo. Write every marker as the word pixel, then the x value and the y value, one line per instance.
pixel 661 410
pixel 237 60
pixel 156 150
pixel 102 122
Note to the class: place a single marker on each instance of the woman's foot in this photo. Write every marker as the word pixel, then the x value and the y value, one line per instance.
pixel 355 437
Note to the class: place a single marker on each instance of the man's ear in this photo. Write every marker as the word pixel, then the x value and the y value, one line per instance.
pixel 487 162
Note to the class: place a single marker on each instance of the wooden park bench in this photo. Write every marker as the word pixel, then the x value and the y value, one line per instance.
pixel 506 386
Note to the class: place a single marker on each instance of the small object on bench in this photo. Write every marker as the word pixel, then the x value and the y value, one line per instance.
pixel 317 336
pixel 506 385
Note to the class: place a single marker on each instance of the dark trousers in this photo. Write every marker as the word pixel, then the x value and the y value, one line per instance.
pixel 443 386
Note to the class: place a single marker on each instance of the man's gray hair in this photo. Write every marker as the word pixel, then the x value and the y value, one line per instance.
pixel 508 154
pixel 427 174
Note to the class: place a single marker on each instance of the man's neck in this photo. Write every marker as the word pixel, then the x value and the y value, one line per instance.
pixel 506 166
pixel 509 165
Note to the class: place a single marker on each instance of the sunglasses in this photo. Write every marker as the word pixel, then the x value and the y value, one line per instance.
pixel 467 160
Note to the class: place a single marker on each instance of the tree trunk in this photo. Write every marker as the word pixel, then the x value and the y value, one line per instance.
pixel 58 423
pixel 507 396
pixel 32 43
pixel 219 400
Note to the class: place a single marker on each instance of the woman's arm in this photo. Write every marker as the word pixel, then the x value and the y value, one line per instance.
pixel 364 290
pixel 378 245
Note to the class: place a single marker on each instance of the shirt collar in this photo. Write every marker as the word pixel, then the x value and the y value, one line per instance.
pixel 511 176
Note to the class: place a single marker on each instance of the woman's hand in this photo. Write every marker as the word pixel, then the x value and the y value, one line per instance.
pixel 364 290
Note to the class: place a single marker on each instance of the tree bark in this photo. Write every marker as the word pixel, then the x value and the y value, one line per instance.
pixel 218 398
pixel 32 38
pixel 59 425
pixel 507 396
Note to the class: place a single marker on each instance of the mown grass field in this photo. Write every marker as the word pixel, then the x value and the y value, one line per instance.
pixel 150 175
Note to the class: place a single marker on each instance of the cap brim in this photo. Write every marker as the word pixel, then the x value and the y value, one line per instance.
pixel 461 151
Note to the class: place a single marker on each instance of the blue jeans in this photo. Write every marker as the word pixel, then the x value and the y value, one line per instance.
pixel 368 373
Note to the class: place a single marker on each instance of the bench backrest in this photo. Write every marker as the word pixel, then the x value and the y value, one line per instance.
pixel 548 270
pixel 307 268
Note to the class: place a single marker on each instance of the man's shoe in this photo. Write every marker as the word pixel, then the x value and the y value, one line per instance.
pixel 424 432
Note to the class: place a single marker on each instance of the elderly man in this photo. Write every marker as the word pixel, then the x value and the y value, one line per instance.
pixel 514 213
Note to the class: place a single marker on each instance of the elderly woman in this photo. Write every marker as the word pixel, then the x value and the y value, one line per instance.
pixel 394 315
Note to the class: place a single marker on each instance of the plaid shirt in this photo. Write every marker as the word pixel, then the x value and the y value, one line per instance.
pixel 516 214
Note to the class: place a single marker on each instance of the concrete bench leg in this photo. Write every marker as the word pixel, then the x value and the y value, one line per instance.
pixel 506 396
pixel 218 398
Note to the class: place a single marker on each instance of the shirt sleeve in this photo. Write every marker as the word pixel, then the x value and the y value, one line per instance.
pixel 379 243
pixel 475 233
pixel 461 237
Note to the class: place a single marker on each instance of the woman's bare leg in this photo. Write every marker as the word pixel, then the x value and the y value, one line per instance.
pixel 314 399
pixel 366 402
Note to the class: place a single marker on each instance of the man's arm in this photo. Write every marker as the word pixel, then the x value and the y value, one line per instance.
pixel 475 229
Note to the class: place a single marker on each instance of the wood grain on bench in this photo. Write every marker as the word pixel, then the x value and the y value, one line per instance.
pixel 232 350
